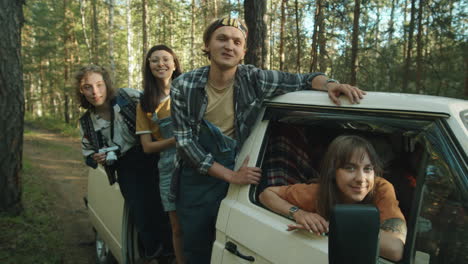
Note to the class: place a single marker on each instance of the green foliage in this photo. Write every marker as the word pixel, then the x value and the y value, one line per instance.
pixel 51 123
pixel 35 235
pixel 57 40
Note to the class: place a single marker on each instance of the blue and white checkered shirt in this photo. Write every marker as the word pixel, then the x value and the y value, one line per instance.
pixel 251 87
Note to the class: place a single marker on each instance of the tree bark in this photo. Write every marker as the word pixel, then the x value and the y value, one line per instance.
pixel 204 8
pixel 145 20
pixel 314 50
pixel 283 22
pixel 215 9
pixel 130 67
pixel 391 23
pixel 322 40
pixel 354 42
pixel 85 34
pixel 171 24
pixel 192 37
pixel 419 49
pixel 255 20
pixel 298 38
pixel 405 31
pixel 66 59
pixel 271 36
pixel 406 72
pixel 11 106
pixel 95 33
pixel 111 37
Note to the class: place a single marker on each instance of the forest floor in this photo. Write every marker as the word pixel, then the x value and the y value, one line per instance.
pixel 52 163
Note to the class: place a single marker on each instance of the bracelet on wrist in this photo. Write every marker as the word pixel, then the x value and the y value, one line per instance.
pixel 325 86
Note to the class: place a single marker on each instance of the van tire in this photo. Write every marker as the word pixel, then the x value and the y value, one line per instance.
pixel 103 253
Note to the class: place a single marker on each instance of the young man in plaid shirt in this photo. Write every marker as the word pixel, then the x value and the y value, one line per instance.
pixel 213 110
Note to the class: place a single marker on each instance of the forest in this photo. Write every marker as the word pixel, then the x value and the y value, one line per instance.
pixel 406 46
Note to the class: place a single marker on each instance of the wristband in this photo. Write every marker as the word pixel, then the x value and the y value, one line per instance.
pixel 325 86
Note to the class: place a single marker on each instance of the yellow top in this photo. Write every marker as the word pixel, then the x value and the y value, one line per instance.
pixel 144 120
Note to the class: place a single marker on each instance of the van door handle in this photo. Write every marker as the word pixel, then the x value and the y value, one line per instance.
pixel 231 247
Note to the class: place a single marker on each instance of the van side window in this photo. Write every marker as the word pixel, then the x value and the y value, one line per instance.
pixel 442 234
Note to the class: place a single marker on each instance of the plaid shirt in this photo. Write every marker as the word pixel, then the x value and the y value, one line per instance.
pixel 251 87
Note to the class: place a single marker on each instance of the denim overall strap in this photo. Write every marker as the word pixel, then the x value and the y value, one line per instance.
pixel 200 195
pixel 166 127
pixel 224 143
pixel 198 189
pixel 166 163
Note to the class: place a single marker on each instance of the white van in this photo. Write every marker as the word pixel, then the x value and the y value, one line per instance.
pixel 422 139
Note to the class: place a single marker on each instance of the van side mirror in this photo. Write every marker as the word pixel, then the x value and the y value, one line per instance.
pixel 354 234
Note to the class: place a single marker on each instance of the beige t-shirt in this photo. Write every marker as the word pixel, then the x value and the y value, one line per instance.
pixel 220 109
pixel 145 123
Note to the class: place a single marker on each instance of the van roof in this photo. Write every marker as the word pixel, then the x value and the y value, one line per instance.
pixel 379 100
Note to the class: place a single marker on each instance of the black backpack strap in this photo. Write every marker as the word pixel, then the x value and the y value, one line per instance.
pixel 94 138
pixel 127 109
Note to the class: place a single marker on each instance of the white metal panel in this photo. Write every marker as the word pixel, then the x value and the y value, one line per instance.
pixel 105 206
pixel 379 100
pixel 263 232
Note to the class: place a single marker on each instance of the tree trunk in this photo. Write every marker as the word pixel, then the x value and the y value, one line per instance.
pixel 192 37
pixel 171 24
pixel 95 34
pixel 419 49
pixel 11 106
pixel 406 72
pixel 313 50
pixel 66 59
pixel 298 38
pixel 85 34
pixel 204 8
pixel 354 42
pixel 215 9
pixel 130 64
pixel 283 21
pixel 256 46
pixel 111 37
pixel 405 31
pixel 376 29
pixel 322 40
pixel 271 36
pixel 391 27
pixel 267 37
pixel 145 20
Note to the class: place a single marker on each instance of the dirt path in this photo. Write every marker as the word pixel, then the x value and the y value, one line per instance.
pixel 61 166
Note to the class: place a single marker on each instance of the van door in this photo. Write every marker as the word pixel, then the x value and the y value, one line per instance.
pixel 247 232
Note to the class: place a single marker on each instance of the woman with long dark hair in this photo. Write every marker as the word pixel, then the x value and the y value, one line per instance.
pixel 349 174
pixel 154 125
